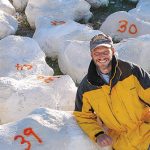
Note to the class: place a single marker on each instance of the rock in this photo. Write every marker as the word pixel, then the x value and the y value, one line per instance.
pixel 75 59
pixel 98 3
pixel 20 97
pixel 20 4
pixel 58 9
pixel 52 34
pixel 135 50
pixel 46 129
pixel 142 11
pixel 8 24
pixel 7 7
pixel 124 25
pixel 141 2
pixel 22 56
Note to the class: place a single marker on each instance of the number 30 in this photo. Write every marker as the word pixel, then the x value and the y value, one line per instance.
pixel 124 25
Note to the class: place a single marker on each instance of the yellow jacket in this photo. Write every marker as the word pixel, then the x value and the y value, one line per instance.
pixel 122 105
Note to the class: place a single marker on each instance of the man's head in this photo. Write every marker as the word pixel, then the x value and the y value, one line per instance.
pixel 102 51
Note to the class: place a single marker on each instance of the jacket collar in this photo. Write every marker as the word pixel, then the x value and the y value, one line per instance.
pixel 96 80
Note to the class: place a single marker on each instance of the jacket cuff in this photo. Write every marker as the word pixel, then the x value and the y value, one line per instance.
pixel 101 132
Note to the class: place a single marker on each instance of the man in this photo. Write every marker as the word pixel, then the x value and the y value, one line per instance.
pixel 117 93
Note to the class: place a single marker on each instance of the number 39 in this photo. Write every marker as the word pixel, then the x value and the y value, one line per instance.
pixel 27 132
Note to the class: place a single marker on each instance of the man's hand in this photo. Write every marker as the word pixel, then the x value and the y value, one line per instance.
pixel 104 140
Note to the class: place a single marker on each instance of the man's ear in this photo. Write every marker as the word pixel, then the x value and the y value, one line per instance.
pixel 91 54
pixel 113 50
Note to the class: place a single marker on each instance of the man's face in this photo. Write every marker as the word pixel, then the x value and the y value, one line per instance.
pixel 102 56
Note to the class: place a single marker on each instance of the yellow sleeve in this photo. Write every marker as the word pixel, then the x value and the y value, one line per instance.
pixel 142 83
pixel 87 120
pixel 143 91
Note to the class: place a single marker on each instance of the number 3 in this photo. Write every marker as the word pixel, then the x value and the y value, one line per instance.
pixel 123 27
pixel 23 141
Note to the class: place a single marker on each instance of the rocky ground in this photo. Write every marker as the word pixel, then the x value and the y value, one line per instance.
pixel 99 15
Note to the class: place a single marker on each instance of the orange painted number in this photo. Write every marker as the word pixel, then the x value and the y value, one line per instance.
pixel 23 141
pixel 28 132
pixel 132 29
pixel 40 77
pixel 55 23
pixel 123 26
pixel 27 66
pixel 47 79
pixel 19 67
pixel 23 67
